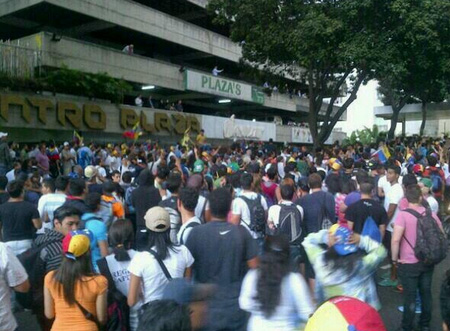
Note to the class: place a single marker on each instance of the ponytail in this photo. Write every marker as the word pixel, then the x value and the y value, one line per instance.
pixel 121 253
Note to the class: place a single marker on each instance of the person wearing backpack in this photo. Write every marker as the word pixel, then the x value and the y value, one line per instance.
pixel 45 256
pixel 73 294
pixel 110 208
pixel 286 219
pixel 415 262
pixel 115 268
pixel 187 200
pixel 249 209
pixel 357 213
pixel 170 204
pixel 316 205
pixel 148 278
pixel 94 223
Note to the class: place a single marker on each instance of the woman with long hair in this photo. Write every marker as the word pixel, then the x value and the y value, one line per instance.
pixel 146 267
pixel 276 298
pixel 73 294
pixel 344 263
pixel 115 266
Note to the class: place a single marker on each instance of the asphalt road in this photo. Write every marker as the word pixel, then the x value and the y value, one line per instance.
pixel 389 298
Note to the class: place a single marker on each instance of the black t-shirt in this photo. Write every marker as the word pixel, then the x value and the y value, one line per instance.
pixel 4 197
pixel 220 251
pixel 143 198
pixel 360 210
pixel 16 219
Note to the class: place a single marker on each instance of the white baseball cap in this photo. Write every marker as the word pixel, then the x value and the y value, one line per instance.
pixel 3 134
pixel 66 143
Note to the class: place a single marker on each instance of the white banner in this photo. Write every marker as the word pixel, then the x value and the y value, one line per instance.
pixel 301 135
pixel 228 128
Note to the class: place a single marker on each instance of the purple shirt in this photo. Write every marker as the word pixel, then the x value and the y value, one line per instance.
pixel 43 161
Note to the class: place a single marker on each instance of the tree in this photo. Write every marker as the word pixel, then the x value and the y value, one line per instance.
pixel 326 43
pixel 418 69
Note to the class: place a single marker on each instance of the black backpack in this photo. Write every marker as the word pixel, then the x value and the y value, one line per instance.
pixel 290 224
pixel 118 310
pixel 257 214
pixel 431 243
pixel 35 268
pixel 324 218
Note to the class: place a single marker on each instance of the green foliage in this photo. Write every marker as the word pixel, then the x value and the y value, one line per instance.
pixel 365 136
pixel 416 67
pixel 324 43
pixel 99 85
pixel 70 81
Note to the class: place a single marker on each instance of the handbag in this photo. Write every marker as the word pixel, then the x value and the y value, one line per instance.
pixel 89 316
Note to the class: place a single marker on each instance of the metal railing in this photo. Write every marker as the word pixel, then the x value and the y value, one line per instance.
pixel 19 61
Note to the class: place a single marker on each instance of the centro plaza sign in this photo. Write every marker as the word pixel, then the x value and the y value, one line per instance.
pixel 216 85
pixel 33 112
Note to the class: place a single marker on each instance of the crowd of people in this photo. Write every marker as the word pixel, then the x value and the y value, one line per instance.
pixel 252 236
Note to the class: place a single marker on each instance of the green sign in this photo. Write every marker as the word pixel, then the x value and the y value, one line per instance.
pixel 217 85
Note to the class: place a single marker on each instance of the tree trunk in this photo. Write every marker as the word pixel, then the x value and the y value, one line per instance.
pixel 424 117
pixel 394 121
pixel 312 116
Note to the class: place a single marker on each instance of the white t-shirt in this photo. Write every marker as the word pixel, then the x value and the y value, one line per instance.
pixel 201 207
pixel 153 279
pixel 434 205
pixel 274 212
pixel 185 230
pixel 295 304
pixel 121 277
pixel 47 205
pixel 394 195
pixel 10 175
pixel 240 207
pixel 12 274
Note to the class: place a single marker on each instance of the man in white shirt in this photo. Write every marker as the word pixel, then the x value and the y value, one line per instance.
pixel 187 201
pixel 11 175
pixel 12 275
pixel 240 209
pixel 54 196
pixel 391 204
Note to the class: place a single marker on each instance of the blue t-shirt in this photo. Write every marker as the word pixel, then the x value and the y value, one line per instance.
pixel 95 224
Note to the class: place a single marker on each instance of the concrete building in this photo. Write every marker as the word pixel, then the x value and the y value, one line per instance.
pixel 176 47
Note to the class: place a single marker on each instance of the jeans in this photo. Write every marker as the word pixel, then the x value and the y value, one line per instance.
pixel 416 276
pixel 19 246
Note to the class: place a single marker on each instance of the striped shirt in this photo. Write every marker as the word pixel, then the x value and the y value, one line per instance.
pixel 52 253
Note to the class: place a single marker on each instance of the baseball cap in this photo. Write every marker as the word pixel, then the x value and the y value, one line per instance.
pixel 66 143
pixel 373 164
pixel 342 235
pixel 157 219
pixel 3 134
pixel 199 166
pixel 336 166
pixel 76 243
pixel 417 168
pixel 233 167
pixel 427 182
pixel 90 171
pixel 345 313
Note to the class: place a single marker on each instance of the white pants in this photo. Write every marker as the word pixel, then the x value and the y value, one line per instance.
pixel 19 246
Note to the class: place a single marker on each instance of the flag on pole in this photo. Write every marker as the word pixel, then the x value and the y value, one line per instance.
pixel 186 138
pixel 76 138
pixel 133 133
pixel 379 154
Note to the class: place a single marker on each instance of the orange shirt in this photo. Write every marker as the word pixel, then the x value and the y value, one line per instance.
pixel 86 292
